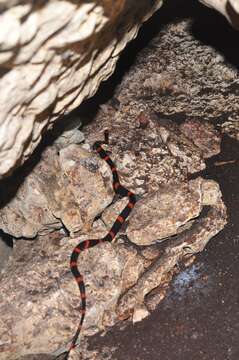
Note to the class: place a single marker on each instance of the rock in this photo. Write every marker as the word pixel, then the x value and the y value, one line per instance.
pixel 69 137
pixel 110 214
pixel 54 54
pixel 148 157
pixel 186 244
pixel 180 146
pixel 60 188
pixel 83 177
pixel 140 312
pixel 166 212
pixel 44 303
pixel 41 300
pixel 231 128
pixel 37 357
pixel 70 186
pixel 200 87
pixel 203 135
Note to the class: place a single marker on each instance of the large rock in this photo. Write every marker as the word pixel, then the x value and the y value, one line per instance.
pixel 70 186
pixel 39 300
pixel 166 212
pixel 53 55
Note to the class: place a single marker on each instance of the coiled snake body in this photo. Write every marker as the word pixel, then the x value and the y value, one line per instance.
pixel 122 192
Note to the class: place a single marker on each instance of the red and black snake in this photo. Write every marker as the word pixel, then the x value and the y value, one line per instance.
pixel 122 192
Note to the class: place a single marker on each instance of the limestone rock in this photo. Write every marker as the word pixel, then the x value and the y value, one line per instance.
pixel 70 186
pixel 35 306
pixel 203 135
pixel 182 246
pixel 39 301
pixel 151 156
pixel 180 146
pixel 167 211
pixel 54 54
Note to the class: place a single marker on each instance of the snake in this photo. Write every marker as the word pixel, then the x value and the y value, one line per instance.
pixel 121 191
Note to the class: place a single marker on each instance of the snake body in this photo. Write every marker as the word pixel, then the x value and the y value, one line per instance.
pixel 122 192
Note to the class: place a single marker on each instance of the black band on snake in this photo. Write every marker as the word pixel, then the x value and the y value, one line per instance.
pixel 122 192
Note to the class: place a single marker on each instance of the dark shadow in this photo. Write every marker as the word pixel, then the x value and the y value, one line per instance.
pixel 151 28
pixel 227 175
pixel 213 29
pixel 7 239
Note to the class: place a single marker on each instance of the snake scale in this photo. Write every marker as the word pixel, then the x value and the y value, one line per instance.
pixel 121 191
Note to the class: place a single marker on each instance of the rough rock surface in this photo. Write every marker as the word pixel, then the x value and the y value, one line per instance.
pixel 70 186
pixel 203 135
pixel 148 155
pixel 151 156
pixel 50 291
pixel 189 242
pixel 112 273
pixel 49 304
pixel 179 78
pixel 166 212
pixel 54 54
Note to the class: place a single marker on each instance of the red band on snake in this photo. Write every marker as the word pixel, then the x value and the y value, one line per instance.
pixel 122 192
